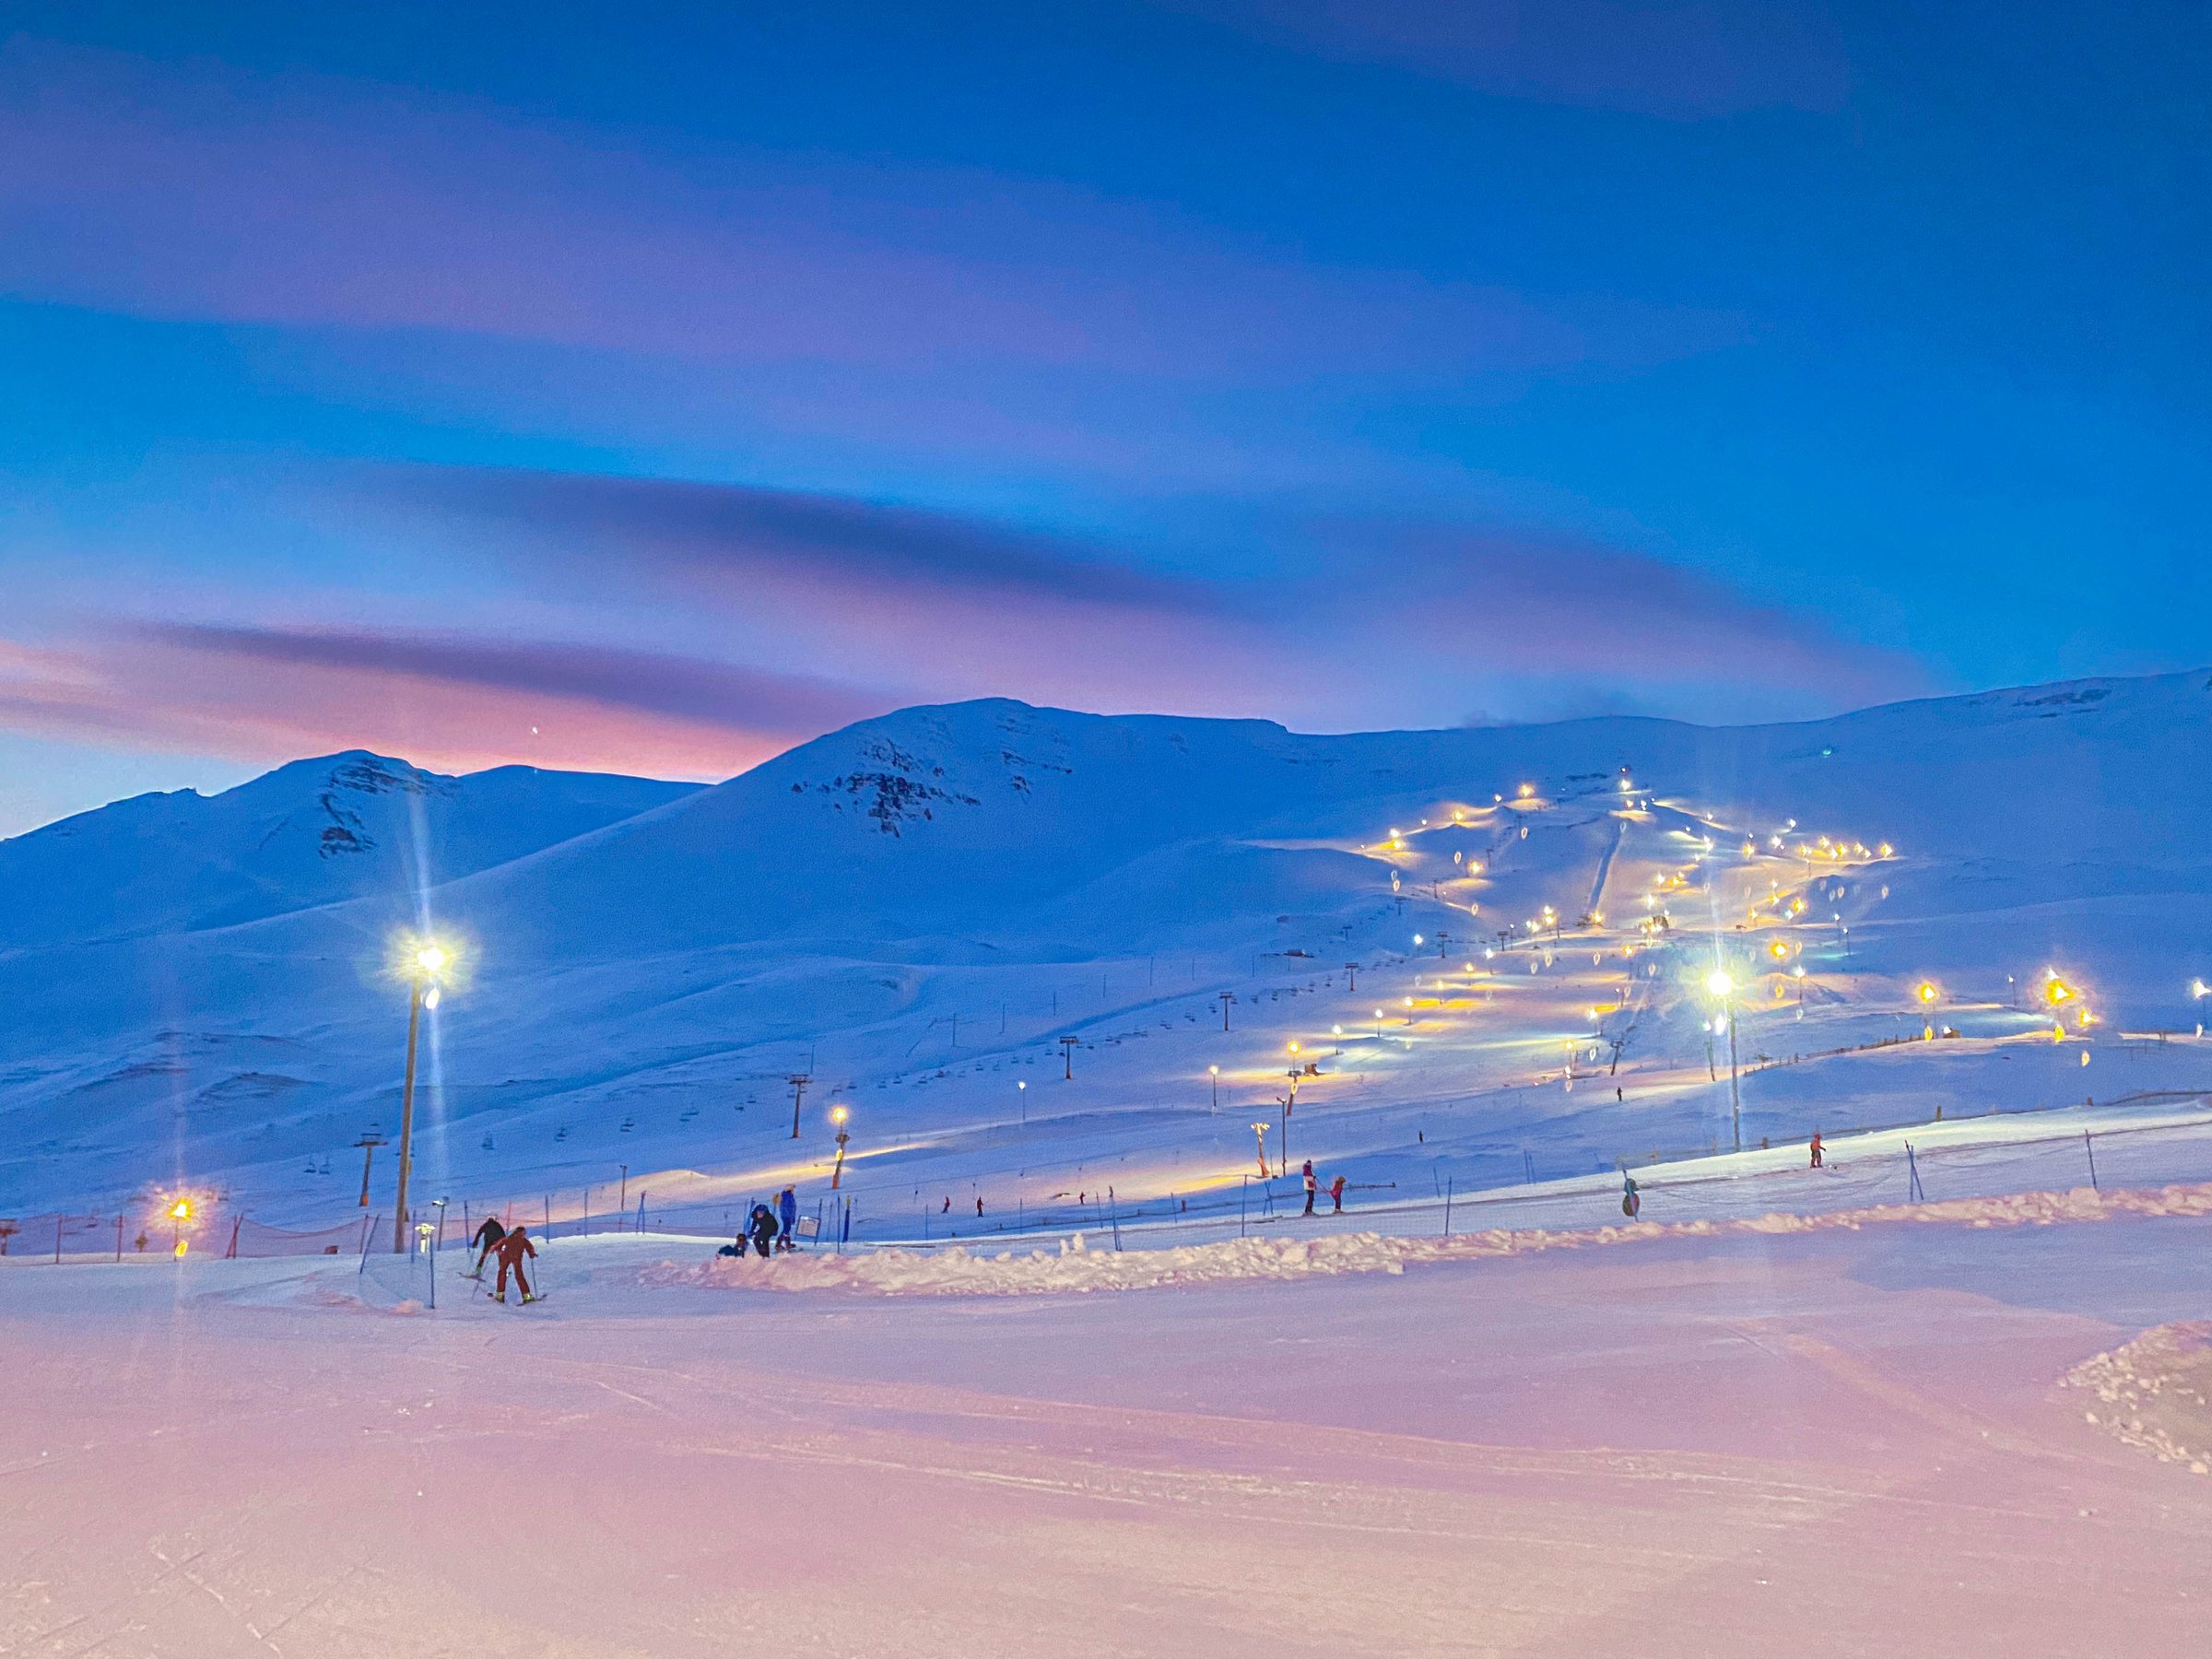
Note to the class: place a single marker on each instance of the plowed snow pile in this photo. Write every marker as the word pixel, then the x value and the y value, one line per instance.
pixel 961 1271
pixel 2155 1392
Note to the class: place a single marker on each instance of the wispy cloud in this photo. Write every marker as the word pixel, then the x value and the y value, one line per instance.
pixel 710 625
pixel 1334 621
pixel 725 533
pixel 1680 59
pixel 1556 607
pixel 320 203
pixel 276 692
pixel 718 694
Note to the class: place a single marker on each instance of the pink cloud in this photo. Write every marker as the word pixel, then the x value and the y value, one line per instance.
pixel 225 698
pixel 311 203
pixel 698 627
pixel 1558 607
pixel 1353 621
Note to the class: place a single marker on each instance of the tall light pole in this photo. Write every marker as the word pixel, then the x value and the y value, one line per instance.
pixel 423 967
pixel 1214 1072
pixel 1724 987
pixel 1927 993
pixel 1259 1131
pixel 1022 1091
pixel 838 1116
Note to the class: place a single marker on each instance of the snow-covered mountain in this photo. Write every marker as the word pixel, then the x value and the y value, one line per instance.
pixel 917 909
pixel 312 833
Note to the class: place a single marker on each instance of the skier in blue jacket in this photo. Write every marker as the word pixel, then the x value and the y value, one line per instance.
pixel 787 1212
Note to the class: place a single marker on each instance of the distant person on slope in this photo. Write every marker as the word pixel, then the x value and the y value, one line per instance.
pixel 763 1229
pixel 1336 1193
pixel 1815 1148
pixel 787 1213
pixel 487 1240
pixel 1313 1186
pixel 511 1248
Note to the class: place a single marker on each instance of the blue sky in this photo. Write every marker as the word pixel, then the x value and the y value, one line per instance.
pixel 651 388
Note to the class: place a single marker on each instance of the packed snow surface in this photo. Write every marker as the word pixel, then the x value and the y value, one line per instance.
pixel 1829 1439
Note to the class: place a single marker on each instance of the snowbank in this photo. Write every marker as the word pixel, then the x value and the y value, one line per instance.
pixel 2155 1392
pixel 963 1271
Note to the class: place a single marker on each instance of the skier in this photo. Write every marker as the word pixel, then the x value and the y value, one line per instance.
pixel 763 1229
pixel 487 1240
pixel 947 1210
pixel 979 1204
pixel 1313 1186
pixel 1632 1200
pixel 1336 1193
pixel 1815 1148
pixel 511 1248
pixel 787 1213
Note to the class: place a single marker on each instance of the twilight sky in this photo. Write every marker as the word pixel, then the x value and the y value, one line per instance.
pixel 647 388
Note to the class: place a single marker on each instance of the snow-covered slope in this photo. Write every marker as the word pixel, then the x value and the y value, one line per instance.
pixel 917 909
pixel 312 833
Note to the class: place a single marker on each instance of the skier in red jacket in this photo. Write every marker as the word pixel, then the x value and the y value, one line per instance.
pixel 512 1249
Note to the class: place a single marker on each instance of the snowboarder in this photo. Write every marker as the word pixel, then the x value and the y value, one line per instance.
pixel 787 1213
pixel 1313 1186
pixel 487 1240
pixel 979 1203
pixel 511 1248
pixel 947 1210
pixel 1336 1193
pixel 1815 1148
pixel 763 1229
pixel 1632 1201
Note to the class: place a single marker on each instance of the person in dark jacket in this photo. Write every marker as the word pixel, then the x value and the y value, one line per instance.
pixel 763 1229
pixel 787 1216
pixel 487 1240
pixel 1313 1186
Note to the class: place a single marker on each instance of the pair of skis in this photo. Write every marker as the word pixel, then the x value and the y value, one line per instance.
pixel 528 1295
